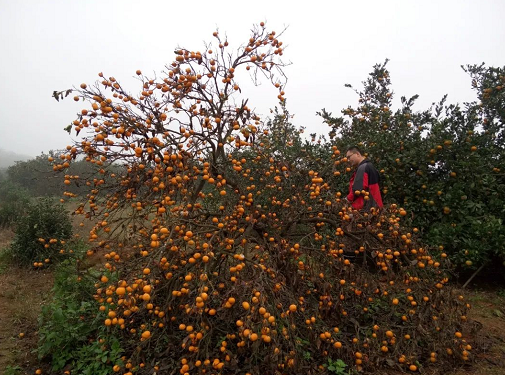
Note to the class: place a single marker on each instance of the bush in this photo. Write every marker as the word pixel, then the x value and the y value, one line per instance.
pixel 41 233
pixel 373 297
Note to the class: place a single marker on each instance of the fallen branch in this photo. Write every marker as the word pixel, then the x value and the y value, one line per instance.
pixel 473 275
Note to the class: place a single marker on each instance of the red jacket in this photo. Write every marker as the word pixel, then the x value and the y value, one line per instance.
pixel 365 177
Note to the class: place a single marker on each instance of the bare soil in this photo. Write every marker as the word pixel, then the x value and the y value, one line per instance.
pixel 22 294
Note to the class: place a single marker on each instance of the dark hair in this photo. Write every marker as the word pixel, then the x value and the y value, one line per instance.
pixel 354 149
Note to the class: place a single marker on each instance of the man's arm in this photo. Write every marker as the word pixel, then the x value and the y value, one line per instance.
pixel 360 180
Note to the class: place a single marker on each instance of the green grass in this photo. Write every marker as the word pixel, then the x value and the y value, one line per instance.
pixel 13 370
pixel 5 260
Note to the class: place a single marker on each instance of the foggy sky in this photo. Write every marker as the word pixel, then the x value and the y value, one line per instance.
pixel 54 45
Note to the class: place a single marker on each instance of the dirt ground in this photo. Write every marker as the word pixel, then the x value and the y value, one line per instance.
pixel 24 291
pixel 22 294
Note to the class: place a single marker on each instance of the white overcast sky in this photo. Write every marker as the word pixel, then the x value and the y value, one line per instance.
pixel 48 45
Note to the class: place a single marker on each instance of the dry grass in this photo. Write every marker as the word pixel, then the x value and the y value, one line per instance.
pixel 22 294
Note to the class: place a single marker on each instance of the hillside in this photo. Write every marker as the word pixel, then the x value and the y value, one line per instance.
pixel 7 158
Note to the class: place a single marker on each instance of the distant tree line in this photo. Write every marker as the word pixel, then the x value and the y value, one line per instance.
pixel 38 177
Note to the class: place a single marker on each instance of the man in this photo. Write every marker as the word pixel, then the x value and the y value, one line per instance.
pixel 365 177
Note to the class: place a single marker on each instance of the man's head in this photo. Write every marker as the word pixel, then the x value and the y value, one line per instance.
pixel 354 156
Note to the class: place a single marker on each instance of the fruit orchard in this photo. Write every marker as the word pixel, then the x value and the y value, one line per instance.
pixel 228 247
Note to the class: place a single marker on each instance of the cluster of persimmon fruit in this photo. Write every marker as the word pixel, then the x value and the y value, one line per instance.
pixel 225 256
pixel 51 246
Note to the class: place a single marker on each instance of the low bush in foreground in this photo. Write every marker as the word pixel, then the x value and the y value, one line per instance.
pixel 371 298
pixel 41 233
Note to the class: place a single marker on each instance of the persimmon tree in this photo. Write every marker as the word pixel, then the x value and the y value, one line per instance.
pixel 228 247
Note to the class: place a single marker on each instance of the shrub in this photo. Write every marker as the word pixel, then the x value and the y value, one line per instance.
pixel 371 297
pixel 41 233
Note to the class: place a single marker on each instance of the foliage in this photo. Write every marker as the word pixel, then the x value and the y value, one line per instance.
pixel 3 174
pixel 41 178
pixel 444 165
pixel 41 233
pixel 70 327
pixel 230 247
pixel 36 175
pixel 13 370
pixel 13 202
pixel 336 367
